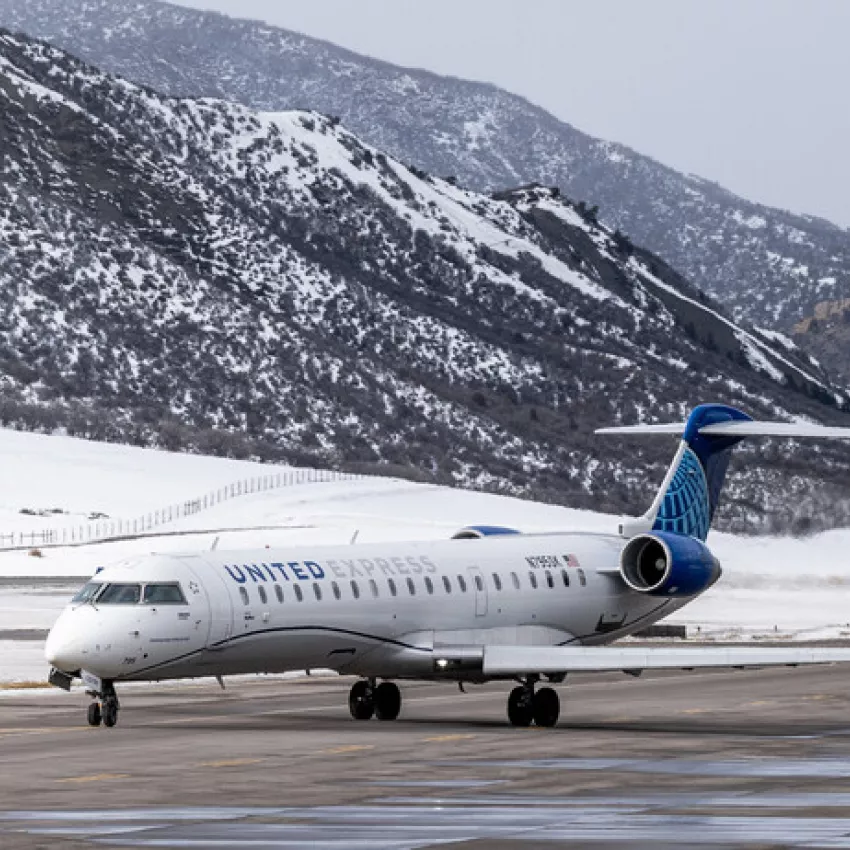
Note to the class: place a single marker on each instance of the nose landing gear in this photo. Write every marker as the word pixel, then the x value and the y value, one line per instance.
pixel 110 711
pixel 366 699
pixel 525 705
pixel 105 707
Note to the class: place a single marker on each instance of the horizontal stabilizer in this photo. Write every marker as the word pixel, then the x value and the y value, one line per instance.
pixel 738 429
pixel 522 660
pixel 774 429
pixel 666 428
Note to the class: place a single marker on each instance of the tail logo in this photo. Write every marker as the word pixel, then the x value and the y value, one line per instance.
pixel 685 507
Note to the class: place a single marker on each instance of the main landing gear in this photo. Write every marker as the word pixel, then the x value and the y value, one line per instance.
pixel 525 705
pixel 367 699
pixel 105 707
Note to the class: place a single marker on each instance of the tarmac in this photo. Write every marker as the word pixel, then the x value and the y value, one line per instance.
pixel 754 759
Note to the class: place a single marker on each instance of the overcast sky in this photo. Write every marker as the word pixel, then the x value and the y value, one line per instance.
pixel 754 94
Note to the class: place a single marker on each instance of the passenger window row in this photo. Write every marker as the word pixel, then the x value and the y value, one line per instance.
pixel 534 581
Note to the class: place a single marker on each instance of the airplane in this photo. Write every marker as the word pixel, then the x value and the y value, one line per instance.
pixel 488 604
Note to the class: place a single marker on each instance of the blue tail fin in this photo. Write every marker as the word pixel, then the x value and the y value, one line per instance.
pixel 688 497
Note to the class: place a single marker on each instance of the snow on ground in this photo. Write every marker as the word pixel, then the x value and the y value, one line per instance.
pixel 771 587
pixel 320 513
pixel 42 472
pixel 26 607
pixel 22 661
pixel 799 586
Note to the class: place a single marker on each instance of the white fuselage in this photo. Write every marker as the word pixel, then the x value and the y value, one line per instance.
pixel 376 610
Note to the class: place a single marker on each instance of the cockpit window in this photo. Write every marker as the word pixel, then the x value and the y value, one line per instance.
pixel 164 594
pixel 120 594
pixel 86 592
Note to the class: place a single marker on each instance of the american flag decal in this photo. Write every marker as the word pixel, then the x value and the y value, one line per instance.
pixel 572 561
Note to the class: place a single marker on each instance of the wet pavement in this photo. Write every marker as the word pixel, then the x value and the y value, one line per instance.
pixel 401 822
pixel 741 759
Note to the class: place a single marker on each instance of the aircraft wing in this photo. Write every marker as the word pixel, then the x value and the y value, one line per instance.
pixel 519 660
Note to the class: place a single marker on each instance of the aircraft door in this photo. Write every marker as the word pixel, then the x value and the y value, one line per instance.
pixel 219 601
pixel 479 587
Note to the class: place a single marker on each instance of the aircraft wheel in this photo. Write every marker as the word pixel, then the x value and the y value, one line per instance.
pixel 546 707
pixel 520 711
pixel 110 713
pixel 94 716
pixel 387 701
pixel 361 700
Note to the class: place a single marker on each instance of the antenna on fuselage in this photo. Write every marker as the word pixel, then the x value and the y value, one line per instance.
pixel 354 537
pixel 215 544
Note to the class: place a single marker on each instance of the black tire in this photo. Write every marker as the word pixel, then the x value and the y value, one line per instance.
pixel 520 711
pixel 546 707
pixel 110 714
pixel 387 701
pixel 94 716
pixel 361 701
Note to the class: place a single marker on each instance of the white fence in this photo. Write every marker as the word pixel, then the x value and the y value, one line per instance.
pixel 116 529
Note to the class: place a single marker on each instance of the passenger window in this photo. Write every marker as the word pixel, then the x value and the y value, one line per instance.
pixel 355 589
pixel 566 577
pixel 263 598
pixel 479 582
pixel 243 594
pixel 447 584
pixel 549 579
pixel 164 594
pixel 429 585
pixel 533 580
pixel 299 594
pixel 336 590
pixel 120 594
pixel 461 583
pixel 278 592
pixel 497 581
pixel 317 590
pixel 392 587
pixel 86 592
pixel 373 586
pixel 515 580
pixel 411 587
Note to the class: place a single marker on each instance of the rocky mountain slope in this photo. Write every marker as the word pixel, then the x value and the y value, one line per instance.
pixel 196 274
pixel 826 335
pixel 768 266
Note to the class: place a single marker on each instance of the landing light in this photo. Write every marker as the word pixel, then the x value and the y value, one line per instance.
pixel 442 663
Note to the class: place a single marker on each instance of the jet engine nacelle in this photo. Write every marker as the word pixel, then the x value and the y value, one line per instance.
pixel 476 532
pixel 661 563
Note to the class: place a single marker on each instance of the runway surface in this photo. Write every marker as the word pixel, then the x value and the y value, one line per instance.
pixel 740 759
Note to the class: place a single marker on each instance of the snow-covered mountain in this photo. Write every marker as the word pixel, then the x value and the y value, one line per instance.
pixel 196 274
pixel 768 266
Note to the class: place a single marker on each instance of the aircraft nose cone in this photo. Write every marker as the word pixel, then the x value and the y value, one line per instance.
pixel 62 649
